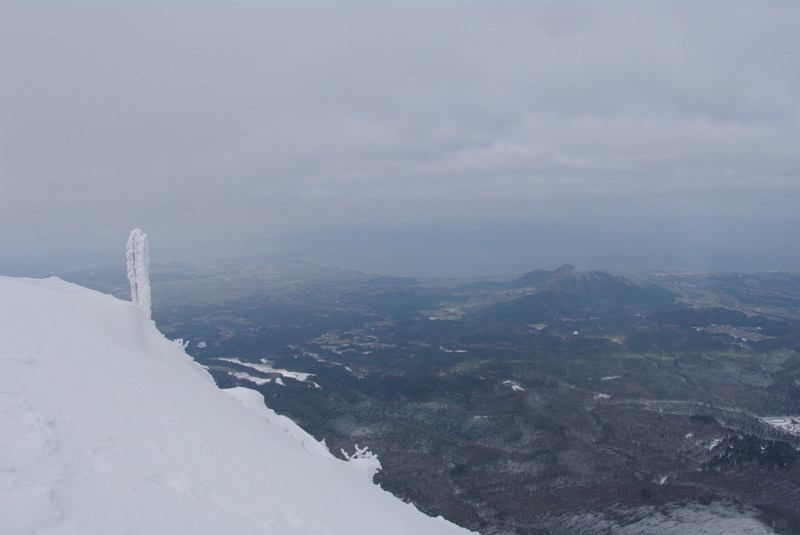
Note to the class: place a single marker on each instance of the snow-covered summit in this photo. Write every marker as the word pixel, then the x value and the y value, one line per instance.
pixel 108 427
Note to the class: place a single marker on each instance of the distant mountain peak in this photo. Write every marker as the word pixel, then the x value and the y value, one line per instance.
pixel 566 268
pixel 570 292
pixel 539 277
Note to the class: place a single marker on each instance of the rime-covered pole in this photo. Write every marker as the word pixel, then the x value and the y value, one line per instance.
pixel 139 270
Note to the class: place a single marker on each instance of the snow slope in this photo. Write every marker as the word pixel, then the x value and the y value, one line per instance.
pixel 108 427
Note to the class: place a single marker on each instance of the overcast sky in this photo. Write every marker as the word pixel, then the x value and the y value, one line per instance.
pixel 461 137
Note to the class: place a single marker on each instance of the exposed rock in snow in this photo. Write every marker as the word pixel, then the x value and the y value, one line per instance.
pixel 108 427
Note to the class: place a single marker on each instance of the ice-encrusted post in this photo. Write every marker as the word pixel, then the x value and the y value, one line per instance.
pixel 139 270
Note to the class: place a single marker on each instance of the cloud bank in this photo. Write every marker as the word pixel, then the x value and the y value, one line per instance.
pixel 627 134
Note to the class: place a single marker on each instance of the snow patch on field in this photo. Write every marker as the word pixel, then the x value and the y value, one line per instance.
pixel 514 386
pixel 248 377
pixel 716 519
pixel 264 367
pixel 790 424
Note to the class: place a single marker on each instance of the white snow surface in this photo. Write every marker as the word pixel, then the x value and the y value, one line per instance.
pixel 108 427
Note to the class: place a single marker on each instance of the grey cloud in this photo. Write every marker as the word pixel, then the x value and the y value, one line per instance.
pixel 274 121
